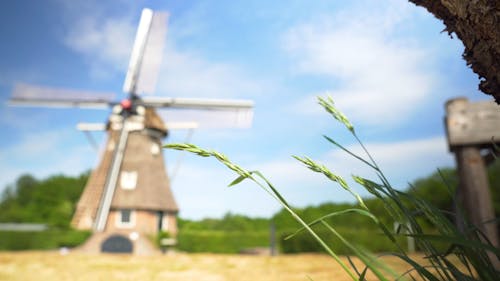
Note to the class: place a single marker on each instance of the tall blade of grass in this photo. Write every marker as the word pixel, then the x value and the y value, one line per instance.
pixel 422 271
pixel 370 185
pixel 409 271
pixel 458 240
pixel 334 214
pixel 355 267
pixel 441 223
pixel 349 152
pixel 496 148
pixel 465 262
pixel 457 274
pixel 237 181
pixel 363 274
pixel 474 252
pixel 446 182
pixel 370 261
pixel 401 213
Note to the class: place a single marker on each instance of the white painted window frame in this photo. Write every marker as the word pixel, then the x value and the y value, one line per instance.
pixel 165 224
pixel 125 177
pixel 120 224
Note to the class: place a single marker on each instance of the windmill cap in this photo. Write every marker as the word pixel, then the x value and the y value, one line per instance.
pixel 126 104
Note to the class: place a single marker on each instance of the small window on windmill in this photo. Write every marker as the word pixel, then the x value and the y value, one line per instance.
pixel 128 179
pixel 155 149
pixel 125 218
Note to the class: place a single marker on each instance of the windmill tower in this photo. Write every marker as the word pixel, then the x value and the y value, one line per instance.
pixel 128 197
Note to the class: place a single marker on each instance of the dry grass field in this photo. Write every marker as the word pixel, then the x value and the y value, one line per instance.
pixel 178 266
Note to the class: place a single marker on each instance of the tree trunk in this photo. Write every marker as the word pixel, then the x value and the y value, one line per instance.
pixel 477 24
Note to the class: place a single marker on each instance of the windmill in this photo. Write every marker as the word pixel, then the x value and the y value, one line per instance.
pixel 128 195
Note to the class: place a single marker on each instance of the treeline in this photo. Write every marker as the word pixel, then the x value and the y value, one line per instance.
pixel 52 201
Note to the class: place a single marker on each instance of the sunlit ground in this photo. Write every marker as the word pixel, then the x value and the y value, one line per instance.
pixel 178 266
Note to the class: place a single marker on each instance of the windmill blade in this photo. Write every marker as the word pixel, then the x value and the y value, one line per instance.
pixel 196 118
pixel 204 113
pixel 111 181
pixel 87 127
pixel 32 95
pixel 194 103
pixel 146 56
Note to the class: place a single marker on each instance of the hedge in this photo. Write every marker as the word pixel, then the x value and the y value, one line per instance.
pixel 236 241
pixel 220 241
pixel 370 239
pixel 43 240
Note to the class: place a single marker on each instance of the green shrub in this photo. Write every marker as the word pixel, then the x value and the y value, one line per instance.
pixel 44 240
pixel 372 239
pixel 220 241
pixel 158 237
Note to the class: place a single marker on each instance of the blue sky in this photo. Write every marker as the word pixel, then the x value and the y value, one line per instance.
pixel 386 64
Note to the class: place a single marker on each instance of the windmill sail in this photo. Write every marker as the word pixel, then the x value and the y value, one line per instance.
pixel 206 119
pixel 32 95
pixel 203 113
pixel 146 56
pixel 114 170
pixel 194 103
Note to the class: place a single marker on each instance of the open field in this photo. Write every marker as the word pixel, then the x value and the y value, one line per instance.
pixel 179 266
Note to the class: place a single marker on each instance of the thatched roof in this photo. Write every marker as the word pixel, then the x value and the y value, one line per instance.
pixel 153 121
pixel 152 189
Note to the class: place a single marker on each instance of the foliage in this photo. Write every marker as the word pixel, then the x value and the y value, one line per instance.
pixel 221 241
pixel 43 240
pixel 229 234
pixel 372 239
pixel 159 236
pixel 230 222
pixel 51 201
pixel 404 208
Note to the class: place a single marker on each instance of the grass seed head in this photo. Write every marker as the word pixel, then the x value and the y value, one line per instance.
pixel 329 105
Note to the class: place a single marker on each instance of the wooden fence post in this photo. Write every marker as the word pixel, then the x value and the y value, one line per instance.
pixel 475 190
pixel 470 127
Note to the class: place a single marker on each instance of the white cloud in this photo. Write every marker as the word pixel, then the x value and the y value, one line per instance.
pixel 188 74
pixel 106 43
pixel 380 76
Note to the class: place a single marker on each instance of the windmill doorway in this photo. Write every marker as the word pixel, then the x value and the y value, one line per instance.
pixel 117 244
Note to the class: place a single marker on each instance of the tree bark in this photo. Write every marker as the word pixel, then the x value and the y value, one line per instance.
pixel 477 24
